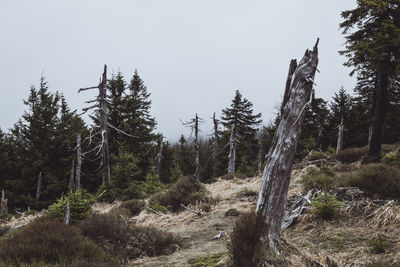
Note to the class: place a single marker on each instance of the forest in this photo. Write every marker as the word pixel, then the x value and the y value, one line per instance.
pixel 55 165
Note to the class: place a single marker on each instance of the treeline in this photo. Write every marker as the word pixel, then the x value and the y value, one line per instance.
pixel 43 142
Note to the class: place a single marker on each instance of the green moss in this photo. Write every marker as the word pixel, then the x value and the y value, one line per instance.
pixel 211 260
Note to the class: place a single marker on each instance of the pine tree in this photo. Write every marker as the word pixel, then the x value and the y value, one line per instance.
pixel 241 127
pixel 340 108
pixel 139 123
pixel 372 32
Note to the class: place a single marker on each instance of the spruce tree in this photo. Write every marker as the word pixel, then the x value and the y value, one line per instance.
pixel 372 32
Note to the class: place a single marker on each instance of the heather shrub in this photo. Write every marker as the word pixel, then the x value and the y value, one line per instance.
pixel 80 203
pixel 352 154
pixel 128 242
pixel 320 178
pixel 376 181
pixel 317 155
pixel 325 206
pixel 245 246
pixel 182 192
pixel 51 242
pixel 129 208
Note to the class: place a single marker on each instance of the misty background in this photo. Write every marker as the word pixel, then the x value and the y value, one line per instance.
pixel 192 55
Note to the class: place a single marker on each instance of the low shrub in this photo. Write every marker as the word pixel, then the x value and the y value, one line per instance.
pixel 325 206
pixel 376 181
pixel 392 158
pixel 379 244
pixel 182 192
pixel 317 155
pixel 128 242
pixel 51 242
pixel 320 178
pixel 232 212
pixel 134 190
pixel 129 208
pixel 245 246
pixel 246 193
pixel 80 203
pixel 352 154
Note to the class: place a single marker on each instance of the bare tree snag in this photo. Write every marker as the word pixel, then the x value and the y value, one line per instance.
pixel 194 125
pixel 105 172
pixel 215 141
pixel 67 212
pixel 3 204
pixel 232 151
pixel 276 176
pixel 101 105
pixel 339 145
pixel 78 162
pixel 39 187
pixel 159 156
pixel 196 176
pixel 71 185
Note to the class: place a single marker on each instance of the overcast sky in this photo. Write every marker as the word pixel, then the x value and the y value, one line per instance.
pixel 192 55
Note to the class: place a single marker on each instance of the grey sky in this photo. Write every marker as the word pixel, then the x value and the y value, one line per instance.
pixel 192 55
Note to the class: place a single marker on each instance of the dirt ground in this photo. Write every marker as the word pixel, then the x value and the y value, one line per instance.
pixel 346 239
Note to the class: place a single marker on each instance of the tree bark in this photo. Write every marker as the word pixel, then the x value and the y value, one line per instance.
pixel 39 187
pixel 71 185
pixel 276 176
pixel 159 156
pixel 196 176
pixel 3 205
pixel 374 152
pixel 232 151
pixel 339 145
pixel 78 162
pixel 292 68
pixel 67 213
pixel 105 171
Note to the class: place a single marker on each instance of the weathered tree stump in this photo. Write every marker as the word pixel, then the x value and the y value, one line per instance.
pixel 276 176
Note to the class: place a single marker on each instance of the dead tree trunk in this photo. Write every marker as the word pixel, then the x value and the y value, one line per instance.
pixel 39 187
pixel 3 205
pixel 196 176
pixel 67 212
pixel 78 162
pixel 232 151
pixel 105 172
pixel 159 156
pixel 215 142
pixel 71 186
pixel 276 176
pixel 339 145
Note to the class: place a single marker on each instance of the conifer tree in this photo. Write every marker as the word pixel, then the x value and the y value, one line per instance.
pixel 372 32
